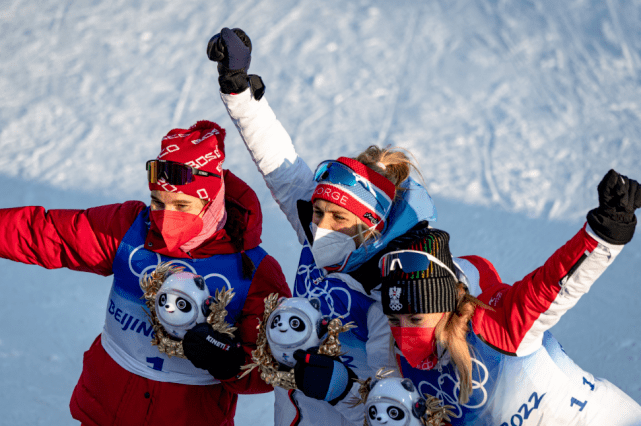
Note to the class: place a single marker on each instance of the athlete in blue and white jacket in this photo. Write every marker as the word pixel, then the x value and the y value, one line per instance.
pixel 498 364
pixel 357 209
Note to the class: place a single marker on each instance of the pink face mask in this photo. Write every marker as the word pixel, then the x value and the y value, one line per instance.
pixel 214 220
pixel 418 345
pixel 175 227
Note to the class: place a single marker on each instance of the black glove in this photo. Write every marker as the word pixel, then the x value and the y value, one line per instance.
pixel 232 50
pixel 614 219
pixel 321 376
pixel 215 352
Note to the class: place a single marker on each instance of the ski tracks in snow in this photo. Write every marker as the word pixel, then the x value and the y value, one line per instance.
pixel 402 83
pixel 631 58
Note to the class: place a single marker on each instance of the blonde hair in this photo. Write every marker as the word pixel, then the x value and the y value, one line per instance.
pixel 393 164
pixel 451 333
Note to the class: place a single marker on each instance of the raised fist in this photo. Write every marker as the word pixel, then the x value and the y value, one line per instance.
pixel 614 220
pixel 231 48
pixel 619 196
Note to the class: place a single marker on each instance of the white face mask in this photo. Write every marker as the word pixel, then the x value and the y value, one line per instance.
pixel 330 247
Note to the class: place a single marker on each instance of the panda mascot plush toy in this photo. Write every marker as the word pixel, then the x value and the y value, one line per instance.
pixel 394 401
pixel 182 302
pixel 296 323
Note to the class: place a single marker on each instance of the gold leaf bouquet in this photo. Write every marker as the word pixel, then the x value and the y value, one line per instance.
pixel 262 356
pixel 151 283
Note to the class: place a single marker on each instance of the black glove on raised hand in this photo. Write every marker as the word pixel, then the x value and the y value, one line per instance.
pixel 321 376
pixel 215 352
pixel 614 219
pixel 232 50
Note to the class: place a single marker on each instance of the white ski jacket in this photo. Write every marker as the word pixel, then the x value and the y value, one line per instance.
pixel 289 179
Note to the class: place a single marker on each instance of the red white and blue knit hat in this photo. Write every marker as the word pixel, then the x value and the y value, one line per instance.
pixel 357 188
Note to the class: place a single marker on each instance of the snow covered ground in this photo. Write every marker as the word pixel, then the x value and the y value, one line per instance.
pixel 514 111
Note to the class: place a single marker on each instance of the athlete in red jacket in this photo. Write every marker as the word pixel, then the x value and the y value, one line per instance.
pixel 201 217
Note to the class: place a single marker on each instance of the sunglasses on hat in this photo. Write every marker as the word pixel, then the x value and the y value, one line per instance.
pixel 335 172
pixel 409 261
pixel 173 173
pixel 339 173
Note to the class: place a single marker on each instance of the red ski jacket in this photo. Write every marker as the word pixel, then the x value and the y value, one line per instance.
pixel 522 312
pixel 87 240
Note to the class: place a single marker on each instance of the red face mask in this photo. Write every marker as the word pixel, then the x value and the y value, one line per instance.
pixel 175 227
pixel 418 345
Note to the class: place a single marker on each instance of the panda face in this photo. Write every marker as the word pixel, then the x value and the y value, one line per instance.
pixel 394 401
pixel 383 413
pixel 293 325
pixel 179 303
pixel 176 310
pixel 289 328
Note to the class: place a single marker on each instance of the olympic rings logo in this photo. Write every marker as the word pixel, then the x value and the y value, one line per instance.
pixel 478 389
pixel 158 260
pixel 324 292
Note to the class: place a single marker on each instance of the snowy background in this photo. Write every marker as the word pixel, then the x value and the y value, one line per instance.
pixel 513 109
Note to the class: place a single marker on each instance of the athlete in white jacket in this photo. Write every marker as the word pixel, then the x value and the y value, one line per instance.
pixel 356 208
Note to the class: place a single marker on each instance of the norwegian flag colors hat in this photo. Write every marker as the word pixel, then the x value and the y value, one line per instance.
pixel 419 279
pixel 190 161
pixel 357 188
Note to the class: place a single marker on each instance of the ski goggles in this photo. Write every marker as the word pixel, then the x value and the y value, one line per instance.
pixel 335 172
pixel 409 261
pixel 173 173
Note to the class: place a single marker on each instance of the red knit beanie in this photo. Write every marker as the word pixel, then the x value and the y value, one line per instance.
pixel 201 146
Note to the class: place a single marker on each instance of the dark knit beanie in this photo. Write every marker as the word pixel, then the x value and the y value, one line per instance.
pixel 422 292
